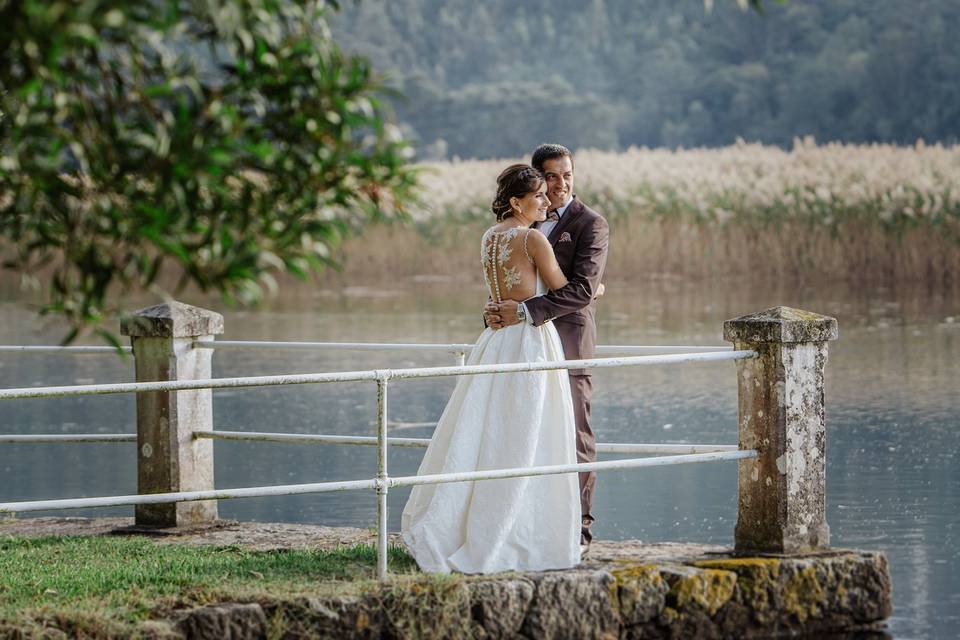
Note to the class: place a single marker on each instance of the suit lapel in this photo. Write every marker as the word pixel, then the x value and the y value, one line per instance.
pixel 572 212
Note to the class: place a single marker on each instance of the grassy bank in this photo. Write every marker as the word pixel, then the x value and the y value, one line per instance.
pixel 876 213
pixel 101 587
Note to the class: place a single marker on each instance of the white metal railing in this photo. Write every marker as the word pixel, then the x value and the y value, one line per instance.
pixel 367 375
pixel 455 348
pixel 61 350
pixel 352 485
pixel 68 438
pixel 309 438
pixel 382 482
pixel 460 350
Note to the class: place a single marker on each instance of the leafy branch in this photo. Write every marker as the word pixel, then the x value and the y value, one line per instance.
pixel 212 144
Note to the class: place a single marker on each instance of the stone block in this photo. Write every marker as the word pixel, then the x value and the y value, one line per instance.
pixel 782 492
pixel 780 325
pixel 572 604
pixel 498 607
pixel 171 320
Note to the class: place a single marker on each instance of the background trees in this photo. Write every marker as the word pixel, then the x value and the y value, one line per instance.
pixel 615 73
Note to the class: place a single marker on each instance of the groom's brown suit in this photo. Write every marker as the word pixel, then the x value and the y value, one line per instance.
pixel 579 241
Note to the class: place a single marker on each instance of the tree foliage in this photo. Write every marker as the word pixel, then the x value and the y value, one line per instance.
pixel 218 142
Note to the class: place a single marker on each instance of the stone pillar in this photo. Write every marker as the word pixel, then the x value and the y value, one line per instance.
pixel 169 458
pixel 782 492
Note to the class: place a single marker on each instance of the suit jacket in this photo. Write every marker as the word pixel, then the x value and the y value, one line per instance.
pixel 580 242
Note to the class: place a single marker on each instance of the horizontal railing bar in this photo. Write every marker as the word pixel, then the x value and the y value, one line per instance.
pixel 601 350
pixel 68 438
pixel 78 349
pixel 605 465
pixel 330 346
pixel 611 349
pixel 616 447
pixel 446 348
pixel 132 437
pixel 399 424
pixel 259 436
pixel 305 438
pixel 354 485
pixel 357 376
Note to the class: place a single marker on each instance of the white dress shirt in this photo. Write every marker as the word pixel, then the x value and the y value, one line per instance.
pixel 548 225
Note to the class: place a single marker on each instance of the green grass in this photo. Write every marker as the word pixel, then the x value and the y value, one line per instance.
pixel 117 581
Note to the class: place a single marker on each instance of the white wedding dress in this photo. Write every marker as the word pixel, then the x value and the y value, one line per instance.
pixel 498 421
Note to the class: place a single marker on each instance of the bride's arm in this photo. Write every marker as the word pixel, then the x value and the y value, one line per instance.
pixel 544 260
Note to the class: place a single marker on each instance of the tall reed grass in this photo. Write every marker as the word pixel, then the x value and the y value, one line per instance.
pixel 863 212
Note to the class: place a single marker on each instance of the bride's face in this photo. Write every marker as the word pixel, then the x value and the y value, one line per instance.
pixel 533 206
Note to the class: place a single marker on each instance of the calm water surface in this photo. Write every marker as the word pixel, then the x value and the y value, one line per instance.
pixel 892 401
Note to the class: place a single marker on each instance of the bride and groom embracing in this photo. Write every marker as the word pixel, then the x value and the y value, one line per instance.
pixel 542 261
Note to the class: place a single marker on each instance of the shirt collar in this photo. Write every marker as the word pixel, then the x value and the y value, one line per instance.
pixel 561 210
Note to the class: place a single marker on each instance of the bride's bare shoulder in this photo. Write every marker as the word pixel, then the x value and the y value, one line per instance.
pixel 536 238
pixel 536 233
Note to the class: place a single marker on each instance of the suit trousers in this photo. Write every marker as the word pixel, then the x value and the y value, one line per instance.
pixel 581 388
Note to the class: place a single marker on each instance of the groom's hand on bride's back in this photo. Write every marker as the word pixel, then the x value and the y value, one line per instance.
pixel 500 314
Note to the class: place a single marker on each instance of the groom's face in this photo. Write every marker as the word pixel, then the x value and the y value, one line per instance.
pixel 559 175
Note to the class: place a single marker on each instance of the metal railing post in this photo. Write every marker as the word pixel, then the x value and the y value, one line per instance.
pixel 782 492
pixel 461 358
pixel 382 451
pixel 169 458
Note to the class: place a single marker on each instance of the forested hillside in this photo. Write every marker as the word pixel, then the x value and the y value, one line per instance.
pixel 493 78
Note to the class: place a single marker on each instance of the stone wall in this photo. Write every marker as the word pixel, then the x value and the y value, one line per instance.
pixel 721 597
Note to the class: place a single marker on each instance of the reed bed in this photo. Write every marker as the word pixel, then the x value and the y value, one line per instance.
pixel 878 213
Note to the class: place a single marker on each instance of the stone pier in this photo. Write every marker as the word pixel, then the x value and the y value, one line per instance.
pixel 169 458
pixel 624 589
pixel 782 492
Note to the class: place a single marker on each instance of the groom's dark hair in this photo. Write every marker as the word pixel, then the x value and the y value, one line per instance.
pixel 549 152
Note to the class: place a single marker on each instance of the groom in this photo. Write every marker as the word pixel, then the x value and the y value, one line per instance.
pixel 579 237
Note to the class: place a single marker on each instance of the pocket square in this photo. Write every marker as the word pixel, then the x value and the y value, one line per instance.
pixel 565 237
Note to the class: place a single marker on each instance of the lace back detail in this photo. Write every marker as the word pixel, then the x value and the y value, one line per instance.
pixel 526 252
pixel 495 252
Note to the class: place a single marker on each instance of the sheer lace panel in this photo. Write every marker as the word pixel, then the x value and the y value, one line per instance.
pixel 499 267
pixel 526 237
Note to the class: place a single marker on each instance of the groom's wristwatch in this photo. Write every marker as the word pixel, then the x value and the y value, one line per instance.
pixel 521 313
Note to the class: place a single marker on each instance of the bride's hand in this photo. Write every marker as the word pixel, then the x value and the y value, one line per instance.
pixel 491 315
pixel 600 291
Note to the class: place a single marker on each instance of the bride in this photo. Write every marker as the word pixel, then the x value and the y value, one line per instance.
pixel 498 421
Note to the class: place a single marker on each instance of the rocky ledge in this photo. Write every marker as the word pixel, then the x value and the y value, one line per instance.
pixel 717 597
pixel 624 590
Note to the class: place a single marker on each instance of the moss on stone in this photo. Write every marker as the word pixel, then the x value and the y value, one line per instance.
pixel 749 565
pixel 757 582
pixel 803 596
pixel 639 572
pixel 708 589
pixel 637 590
pixel 669 616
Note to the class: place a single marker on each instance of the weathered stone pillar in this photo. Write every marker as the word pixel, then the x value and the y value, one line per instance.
pixel 169 458
pixel 782 492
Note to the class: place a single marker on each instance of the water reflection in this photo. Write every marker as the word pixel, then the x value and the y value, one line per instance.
pixel 893 480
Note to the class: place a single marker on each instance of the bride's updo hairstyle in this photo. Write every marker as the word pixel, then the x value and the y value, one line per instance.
pixel 515 181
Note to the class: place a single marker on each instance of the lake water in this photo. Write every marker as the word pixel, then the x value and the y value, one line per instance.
pixel 892 416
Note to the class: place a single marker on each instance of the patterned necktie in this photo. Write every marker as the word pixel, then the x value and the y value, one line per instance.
pixel 553 215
